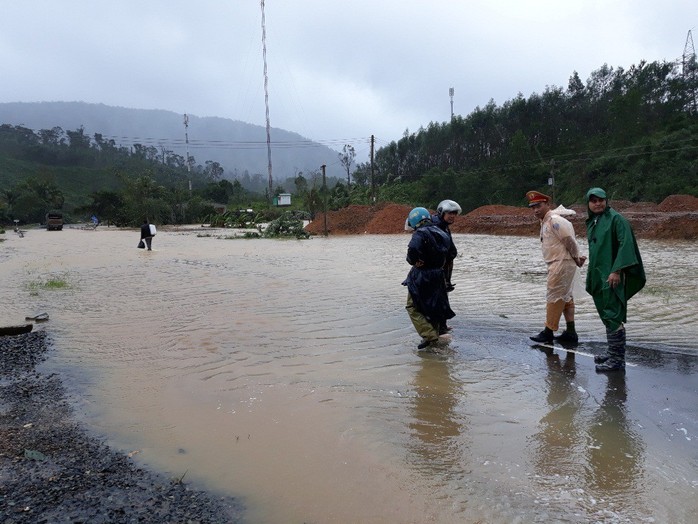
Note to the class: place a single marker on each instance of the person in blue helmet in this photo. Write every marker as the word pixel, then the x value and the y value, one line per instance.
pixel 427 300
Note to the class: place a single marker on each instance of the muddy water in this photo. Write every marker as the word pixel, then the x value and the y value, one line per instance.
pixel 286 373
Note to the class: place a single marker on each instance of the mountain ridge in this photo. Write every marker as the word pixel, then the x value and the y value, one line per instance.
pixel 236 145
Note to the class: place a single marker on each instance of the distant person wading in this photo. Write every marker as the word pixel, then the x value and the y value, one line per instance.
pixel 148 231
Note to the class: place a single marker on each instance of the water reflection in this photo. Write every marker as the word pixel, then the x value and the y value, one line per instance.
pixel 557 441
pixel 436 427
pixel 615 450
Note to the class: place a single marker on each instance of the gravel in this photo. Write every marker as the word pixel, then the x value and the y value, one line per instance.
pixel 52 470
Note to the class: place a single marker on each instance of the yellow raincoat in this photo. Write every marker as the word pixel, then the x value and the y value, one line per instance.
pixel 559 248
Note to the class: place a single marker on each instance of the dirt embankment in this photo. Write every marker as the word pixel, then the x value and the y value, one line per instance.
pixel 676 217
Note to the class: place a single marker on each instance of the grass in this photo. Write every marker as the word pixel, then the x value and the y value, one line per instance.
pixel 50 284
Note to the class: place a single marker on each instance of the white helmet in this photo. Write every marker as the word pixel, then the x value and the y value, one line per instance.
pixel 448 206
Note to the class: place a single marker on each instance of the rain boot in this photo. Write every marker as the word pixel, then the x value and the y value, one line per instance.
pixel 569 335
pixel 616 352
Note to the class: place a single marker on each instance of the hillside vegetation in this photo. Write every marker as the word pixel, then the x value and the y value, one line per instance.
pixel 239 147
pixel 633 132
pixel 68 171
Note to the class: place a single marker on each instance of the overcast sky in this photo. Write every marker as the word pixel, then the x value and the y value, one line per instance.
pixel 338 71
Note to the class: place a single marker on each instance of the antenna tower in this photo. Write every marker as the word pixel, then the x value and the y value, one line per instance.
pixel 451 91
pixel 266 95
pixel 186 141
pixel 689 67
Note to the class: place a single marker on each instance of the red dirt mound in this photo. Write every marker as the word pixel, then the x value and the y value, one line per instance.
pixel 675 203
pixel 675 218
pixel 390 218
pixel 351 220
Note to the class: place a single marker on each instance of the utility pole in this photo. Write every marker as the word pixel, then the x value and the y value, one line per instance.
pixel 186 141
pixel 373 183
pixel 324 196
pixel 451 91
pixel 551 180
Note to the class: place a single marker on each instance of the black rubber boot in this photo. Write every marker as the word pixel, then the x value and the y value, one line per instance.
pixel 567 337
pixel 545 336
pixel 616 352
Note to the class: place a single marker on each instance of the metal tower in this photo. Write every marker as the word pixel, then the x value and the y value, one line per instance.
pixel 186 141
pixel 688 70
pixel 451 91
pixel 266 95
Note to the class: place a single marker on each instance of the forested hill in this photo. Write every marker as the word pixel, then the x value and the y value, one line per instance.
pixel 237 146
pixel 633 132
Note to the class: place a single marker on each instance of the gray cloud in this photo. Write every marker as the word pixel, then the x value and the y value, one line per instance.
pixel 337 70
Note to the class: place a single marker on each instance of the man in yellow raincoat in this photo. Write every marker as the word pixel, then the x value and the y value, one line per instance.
pixel 561 254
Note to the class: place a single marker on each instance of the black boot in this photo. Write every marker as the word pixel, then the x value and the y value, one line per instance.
pixel 567 337
pixel 615 360
pixel 545 336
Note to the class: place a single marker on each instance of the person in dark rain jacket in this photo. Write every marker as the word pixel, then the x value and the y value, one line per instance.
pixel 446 213
pixel 427 301
pixel 147 234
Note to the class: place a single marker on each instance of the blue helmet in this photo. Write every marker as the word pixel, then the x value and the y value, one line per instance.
pixel 417 216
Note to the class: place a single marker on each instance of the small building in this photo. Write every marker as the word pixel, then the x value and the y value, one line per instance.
pixel 284 199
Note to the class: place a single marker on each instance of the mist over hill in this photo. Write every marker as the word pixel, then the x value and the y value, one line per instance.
pixel 237 146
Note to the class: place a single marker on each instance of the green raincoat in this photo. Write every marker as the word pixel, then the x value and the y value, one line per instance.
pixel 612 247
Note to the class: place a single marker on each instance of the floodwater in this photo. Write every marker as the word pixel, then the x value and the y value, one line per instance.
pixel 285 373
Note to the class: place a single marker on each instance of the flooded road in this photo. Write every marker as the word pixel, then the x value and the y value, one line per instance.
pixel 285 373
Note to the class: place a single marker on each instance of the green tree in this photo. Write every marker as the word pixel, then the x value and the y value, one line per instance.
pixel 346 158
pixel 213 171
pixel 108 206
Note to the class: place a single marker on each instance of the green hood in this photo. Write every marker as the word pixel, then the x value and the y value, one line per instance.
pixel 598 192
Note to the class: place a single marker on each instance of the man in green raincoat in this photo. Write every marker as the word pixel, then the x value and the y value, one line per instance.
pixel 615 273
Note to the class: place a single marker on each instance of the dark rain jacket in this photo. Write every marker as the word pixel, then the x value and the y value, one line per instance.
pixel 145 231
pixel 612 247
pixel 426 284
pixel 443 226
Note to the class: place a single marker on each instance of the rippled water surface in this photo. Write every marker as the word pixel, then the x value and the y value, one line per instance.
pixel 285 373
